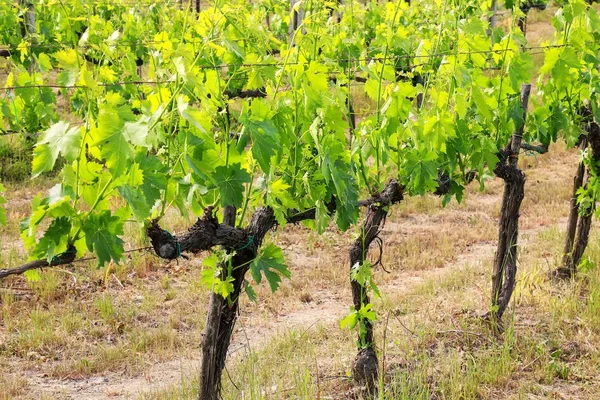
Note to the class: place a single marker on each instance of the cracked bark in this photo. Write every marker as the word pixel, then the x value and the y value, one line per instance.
pixel 567 259
pixel 365 367
pixel 505 260
pixel 206 233
pixel 580 220
pixel 585 218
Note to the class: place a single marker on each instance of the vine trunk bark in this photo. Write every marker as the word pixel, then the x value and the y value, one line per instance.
pixel 584 212
pixel 573 219
pixel 222 313
pixel 206 233
pixel 365 368
pixel 505 260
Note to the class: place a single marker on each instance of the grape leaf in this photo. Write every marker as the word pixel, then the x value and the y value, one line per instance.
pixel 211 278
pixel 101 236
pixel 558 61
pixel 270 263
pixel 350 320
pixel 264 133
pixel 54 240
pixel 153 171
pixel 230 181
pixel 58 139
pixel 249 291
pixel 110 138
pixel 137 201
pixel 265 143
pixel 421 168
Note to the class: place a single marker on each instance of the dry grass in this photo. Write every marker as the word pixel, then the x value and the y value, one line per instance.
pixel 129 324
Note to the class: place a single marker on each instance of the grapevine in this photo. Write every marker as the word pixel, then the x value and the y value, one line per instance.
pixel 244 117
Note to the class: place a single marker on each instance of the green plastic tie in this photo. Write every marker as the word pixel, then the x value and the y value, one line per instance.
pixel 177 242
pixel 58 258
pixel 248 243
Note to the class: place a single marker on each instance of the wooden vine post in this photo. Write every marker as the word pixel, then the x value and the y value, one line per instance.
pixel 493 19
pixel 28 29
pixel 296 15
pixel 365 367
pixel 505 260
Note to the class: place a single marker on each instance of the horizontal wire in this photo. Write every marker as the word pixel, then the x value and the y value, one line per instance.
pixel 140 83
pixel 144 43
pixel 365 59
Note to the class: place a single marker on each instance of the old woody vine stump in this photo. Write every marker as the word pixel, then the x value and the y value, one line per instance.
pixel 505 260
pixel 581 212
pixel 206 233
pixel 222 312
pixel 365 368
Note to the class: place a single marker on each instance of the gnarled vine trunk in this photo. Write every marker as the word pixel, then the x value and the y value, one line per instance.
pixel 365 368
pixel 567 259
pixel 222 313
pixel 505 260
pixel 206 233
pixel 581 218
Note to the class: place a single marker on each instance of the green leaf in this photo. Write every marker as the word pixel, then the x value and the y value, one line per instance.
pixel 557 121
pixel 372 88
pixel 154 178
pixel 209 273
pixel 264 133
pixel 197 118
pixel 350 321
pixel 137 202
pixel 558 61
pixel 265 143
pixel 339 173
pixel 66 78
pixel 110 138
pixel 366 312
pixel 101 236
pixel 421 167
pixel 520 70
pixel 58 139
pixel 322 216
pixel 280 200
pixel 224 288
pixel 66 59
pixel 44 62
pixel 54 240
pixel 249 291
pixel 361 273
pixel 33 275
pixel 230 181
pixel 136 133
pixel 270 262
pixel 211 278
pixel 480 103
